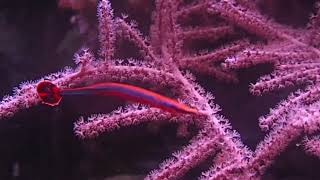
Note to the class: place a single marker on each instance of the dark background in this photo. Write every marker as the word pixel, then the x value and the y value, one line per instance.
pixel 37 38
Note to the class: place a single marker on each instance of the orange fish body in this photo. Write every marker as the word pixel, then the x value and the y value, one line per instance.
pixel 51 95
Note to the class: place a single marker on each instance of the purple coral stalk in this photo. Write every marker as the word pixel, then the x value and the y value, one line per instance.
pixel 166 59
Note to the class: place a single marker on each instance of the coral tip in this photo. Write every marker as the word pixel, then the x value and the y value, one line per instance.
pixel 49 93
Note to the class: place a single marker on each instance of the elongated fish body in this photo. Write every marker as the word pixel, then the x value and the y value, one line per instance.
pixel 125 91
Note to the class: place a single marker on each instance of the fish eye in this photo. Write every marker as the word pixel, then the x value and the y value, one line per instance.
pixel 48 92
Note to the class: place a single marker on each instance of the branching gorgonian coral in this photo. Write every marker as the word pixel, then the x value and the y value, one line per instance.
pixel 169 57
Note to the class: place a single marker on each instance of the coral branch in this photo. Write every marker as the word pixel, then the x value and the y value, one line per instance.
pixel 204 37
